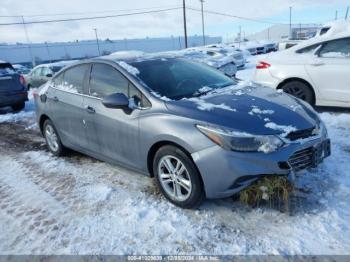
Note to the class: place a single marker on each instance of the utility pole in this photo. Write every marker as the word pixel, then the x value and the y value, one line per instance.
pixel 290 22
pixel 202 1
pixel 48 51
pixel 98 44
pixel 240 36
pixel 347 12
pixel 336 15
pixel 28 42
pixel 185 26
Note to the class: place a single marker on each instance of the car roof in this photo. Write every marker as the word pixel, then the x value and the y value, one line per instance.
pixel 320 39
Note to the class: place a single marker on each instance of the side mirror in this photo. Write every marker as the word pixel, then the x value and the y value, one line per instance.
pixel 117 100
pixel 48 75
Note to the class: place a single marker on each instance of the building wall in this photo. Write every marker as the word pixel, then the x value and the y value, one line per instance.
pixel 281 32
pixel 46 52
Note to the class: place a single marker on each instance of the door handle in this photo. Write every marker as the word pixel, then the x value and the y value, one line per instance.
pixel 90 109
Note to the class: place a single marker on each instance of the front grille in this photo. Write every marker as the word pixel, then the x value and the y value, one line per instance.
pixel 301 134
pixel 301 159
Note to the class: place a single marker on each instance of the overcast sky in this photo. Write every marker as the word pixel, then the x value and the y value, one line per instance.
pixel 159 24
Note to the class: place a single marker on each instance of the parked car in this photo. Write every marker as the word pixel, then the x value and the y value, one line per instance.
pixel 20 69
pixel 249 46
pixel 186 124
pixel 269 46
pixel 316 70
pixel 214 59
pixel 40 74
pixel 333 28
pixel 12 87
pixel 225 50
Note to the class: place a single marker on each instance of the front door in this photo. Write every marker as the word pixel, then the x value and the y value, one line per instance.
pixel 330 72
pixel 113 133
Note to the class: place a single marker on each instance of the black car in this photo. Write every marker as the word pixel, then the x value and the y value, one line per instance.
pixel 13 91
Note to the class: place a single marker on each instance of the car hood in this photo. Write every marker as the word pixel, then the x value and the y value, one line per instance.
pixel 248 108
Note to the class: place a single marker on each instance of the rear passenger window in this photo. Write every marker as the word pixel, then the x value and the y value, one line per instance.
pixel 339 48
pixel 73 79
pixel 105 80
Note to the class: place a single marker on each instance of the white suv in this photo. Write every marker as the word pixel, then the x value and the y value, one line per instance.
pixel 317 70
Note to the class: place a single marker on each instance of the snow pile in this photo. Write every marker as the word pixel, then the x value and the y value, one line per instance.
pixel 131 69
pixel 285 129
pixel 258 111
pixel 164 98
pixel 206 106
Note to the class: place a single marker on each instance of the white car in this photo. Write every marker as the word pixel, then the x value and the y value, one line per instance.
pixel 333 28
pixel 225 50
pixel 316 70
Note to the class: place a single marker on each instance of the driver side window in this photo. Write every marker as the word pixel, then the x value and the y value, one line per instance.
pixel 105 80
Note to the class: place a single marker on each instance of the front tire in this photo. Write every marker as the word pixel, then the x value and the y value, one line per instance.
pixel 177 177
pixel 52 138
pixel 300 90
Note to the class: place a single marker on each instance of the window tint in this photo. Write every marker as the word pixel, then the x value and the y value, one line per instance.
pixel 6 69
pixel 336 49
pixel 308 49
pixel 58 80
pixel 46 71
pixel 105 80
pixel 324 30
pixel 73 79
pixel 37 72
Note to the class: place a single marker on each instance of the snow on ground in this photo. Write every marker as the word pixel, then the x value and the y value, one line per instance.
pixel 78 205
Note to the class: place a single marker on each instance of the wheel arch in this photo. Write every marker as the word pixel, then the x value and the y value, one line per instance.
pixel 298 79
pixel 42 120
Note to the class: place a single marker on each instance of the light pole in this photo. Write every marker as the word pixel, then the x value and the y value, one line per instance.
pixel 98 44
pixel 185 26
pixel 48 51
pixel 28 41
pixel 347 12
pixel 202 1
pixel 290 22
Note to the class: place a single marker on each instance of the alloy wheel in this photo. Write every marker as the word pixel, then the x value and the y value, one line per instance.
pixel 51 138
pixel 174 178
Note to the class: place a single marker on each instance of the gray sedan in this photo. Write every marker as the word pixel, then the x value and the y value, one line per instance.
pixel 198 132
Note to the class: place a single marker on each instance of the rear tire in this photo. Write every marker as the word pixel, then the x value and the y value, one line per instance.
pixel 52 139
pixel 300 90
pixel 177 177
pixel 18 107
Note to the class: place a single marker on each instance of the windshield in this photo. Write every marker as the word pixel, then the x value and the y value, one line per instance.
pixel 179 78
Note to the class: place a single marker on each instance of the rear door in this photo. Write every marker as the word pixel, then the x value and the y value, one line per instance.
pixel 113 133
pixel 330 72
pixel 67 105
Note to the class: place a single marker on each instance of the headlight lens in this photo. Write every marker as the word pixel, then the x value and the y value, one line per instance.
pixel 240 141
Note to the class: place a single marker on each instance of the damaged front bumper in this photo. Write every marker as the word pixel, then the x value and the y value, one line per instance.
pixel 225 172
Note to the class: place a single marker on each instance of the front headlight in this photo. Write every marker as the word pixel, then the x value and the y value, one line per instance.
pixel 240 141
